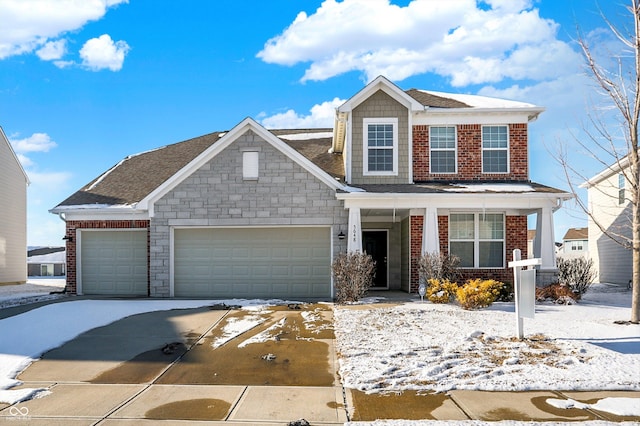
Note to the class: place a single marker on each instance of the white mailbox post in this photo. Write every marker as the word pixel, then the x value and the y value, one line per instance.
pixel 524 287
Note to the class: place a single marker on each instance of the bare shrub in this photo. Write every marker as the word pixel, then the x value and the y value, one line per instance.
pixel 577 273
pixel 438 266
pixel 353 275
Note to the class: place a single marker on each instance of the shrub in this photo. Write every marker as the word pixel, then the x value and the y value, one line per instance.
pixel 577 273
pixel 556 293
pixel 475 294
pixel 441 291
pixel 353 275
pixel 438 266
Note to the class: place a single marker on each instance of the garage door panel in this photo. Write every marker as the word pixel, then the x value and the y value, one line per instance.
pixel 113 262
pixel 253 262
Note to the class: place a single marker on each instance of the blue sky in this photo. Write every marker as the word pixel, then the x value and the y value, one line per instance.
pixel 84 83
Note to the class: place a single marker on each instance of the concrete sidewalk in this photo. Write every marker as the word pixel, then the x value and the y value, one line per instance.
pixel 118 375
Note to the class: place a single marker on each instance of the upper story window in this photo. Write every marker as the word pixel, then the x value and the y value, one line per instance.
pixel 621 181
pixel 477 239
pixel 495 149
pixel 380 146
pixel 442 144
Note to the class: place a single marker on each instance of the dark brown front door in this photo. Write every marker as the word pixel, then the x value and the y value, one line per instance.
pixel 374 243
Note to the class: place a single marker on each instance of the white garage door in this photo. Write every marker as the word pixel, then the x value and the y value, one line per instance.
pixel 252 262
pixel 114 262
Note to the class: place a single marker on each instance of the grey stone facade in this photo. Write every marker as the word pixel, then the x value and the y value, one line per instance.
pixel 285 194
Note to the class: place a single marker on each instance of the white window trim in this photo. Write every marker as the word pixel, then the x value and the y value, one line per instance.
pixel 455 150
pixel 365 146
pixel 483 149
pixel 477 240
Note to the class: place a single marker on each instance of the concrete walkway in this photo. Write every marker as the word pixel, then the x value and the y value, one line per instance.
pixel 118 375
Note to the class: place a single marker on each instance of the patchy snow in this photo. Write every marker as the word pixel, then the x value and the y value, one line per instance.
pixel 27 336
pixel 619 406
pixel 476 101
pixel 306 136
pixel 424 346
pixel 234 327
pixel 490 187
pixel 483 423
pixel 36 289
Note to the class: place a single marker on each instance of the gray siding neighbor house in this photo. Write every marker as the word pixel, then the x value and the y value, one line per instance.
pixel 252 212
pixel 13 215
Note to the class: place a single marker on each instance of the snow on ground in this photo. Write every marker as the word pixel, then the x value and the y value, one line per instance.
pixel 36 289
pixel 425 346
pixel 27 336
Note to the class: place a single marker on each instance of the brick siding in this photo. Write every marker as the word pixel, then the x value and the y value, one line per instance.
pixel 73 225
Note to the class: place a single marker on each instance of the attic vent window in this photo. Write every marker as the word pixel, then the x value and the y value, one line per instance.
pixel 250 165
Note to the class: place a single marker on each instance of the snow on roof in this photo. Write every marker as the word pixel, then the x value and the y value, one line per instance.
pixel 476 101
pixel 128 157
pixel 57 257
pixel 94 206
pixel 306 136
pixel 489 187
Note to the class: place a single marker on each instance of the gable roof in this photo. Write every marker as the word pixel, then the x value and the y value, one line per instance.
pixel 4 138
pixel 576 234
pixel 137 176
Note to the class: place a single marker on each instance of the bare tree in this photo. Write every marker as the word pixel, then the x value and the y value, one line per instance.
pixel 620 85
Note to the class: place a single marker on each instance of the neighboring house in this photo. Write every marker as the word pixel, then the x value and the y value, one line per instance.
pixel 13 215
pixel 261 213
pixel 575 243
pixel 608 202
pixel 531 236
pixel 46 262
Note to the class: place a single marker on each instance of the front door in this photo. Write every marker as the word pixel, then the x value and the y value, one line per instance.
pixel 374 243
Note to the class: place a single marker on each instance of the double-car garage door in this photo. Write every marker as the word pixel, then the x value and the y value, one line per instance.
pixel 252 262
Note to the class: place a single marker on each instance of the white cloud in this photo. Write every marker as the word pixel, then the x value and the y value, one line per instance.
pixel 28 25
pixel 459 39
pixel 103 53
pixel 51 180
pixel 37 142
pixel 52 50
pixel 321 115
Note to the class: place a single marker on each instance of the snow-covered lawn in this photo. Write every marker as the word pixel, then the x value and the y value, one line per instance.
pixel 425 346
pixel 36 289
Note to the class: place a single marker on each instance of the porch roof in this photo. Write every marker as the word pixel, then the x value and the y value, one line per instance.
pixel 462 187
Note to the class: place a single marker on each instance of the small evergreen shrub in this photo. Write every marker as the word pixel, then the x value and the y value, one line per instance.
pixel 476 294
pixel 577 273
pixel 353 275
pixel 441 291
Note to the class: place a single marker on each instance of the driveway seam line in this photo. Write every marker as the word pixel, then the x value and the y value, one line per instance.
pixel 237 402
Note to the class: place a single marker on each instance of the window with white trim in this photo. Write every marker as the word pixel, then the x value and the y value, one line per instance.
pixel 621 184
pixel 250 165
pixel 495 149
pixel 442 146
pixel 477 239
pixel 380 146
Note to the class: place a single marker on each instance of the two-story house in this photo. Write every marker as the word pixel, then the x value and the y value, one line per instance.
pixel 575 243
pixel 611 210
pixel 261 213
pixel 13 215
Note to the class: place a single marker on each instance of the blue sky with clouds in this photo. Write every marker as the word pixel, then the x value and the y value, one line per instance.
pixel 84 83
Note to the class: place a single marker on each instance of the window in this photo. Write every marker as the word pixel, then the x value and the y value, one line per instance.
pixel 620 188
pixel 495 149
pixel 380 146
pixel 442 143
pixel 477 239
pixel 576 245
pixel 250 165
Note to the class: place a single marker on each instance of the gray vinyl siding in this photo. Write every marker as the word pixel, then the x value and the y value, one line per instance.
pixel 13 217
pixel 216 195
pixel 380 105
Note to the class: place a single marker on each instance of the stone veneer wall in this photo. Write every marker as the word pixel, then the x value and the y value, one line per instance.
pixel 73 225
pixel 285 194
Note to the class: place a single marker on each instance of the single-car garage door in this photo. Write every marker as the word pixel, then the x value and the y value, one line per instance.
pixel 114 262
pixel 252 262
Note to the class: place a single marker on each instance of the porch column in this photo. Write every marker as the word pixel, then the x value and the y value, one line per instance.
pixel 354 242
pixel 430 234
pixel 544 245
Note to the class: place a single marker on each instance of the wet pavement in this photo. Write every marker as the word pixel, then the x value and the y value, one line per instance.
pixel 191 366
